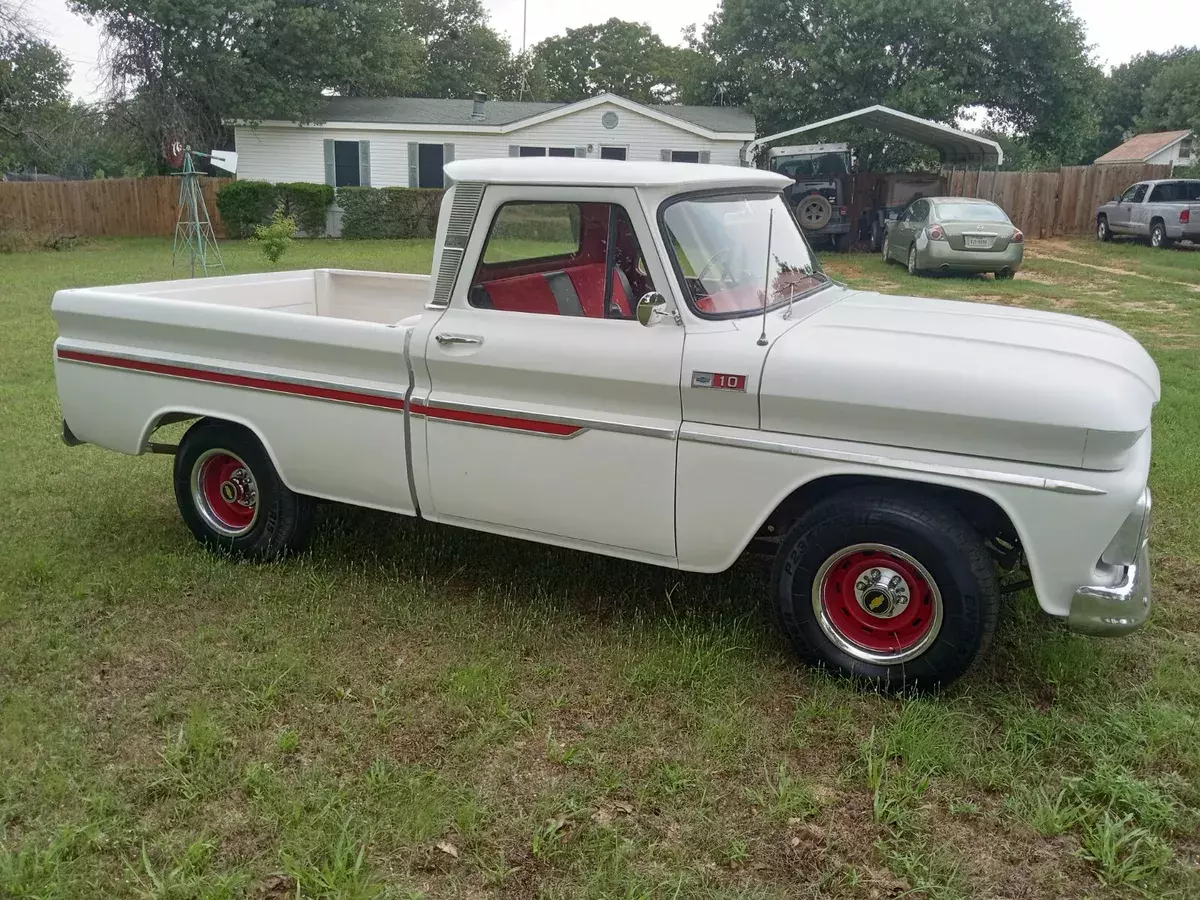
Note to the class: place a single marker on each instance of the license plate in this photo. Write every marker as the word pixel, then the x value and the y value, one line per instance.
pixel 978 243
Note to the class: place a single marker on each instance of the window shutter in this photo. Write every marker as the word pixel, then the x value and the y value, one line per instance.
pixel 364 163
pixel 581 151
pixel 447 153
pixel 514 150
pixel 665 155
pixel 705 156
pixel 330 174
pixel 414 154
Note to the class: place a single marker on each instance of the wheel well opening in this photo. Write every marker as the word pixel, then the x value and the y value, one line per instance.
pixel 1158 220
pixel 983 513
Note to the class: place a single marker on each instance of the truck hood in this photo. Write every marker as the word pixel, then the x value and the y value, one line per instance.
pixel 968 378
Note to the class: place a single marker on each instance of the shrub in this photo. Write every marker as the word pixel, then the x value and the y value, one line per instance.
pixel 276 237
pixel 245 205
pixel 390 212
pixel 306 203
pixel 16 237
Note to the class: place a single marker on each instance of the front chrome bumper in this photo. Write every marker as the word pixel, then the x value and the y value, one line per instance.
pixel 1116 610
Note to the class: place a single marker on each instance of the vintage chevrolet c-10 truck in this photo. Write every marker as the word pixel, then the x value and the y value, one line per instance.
pixel 646 360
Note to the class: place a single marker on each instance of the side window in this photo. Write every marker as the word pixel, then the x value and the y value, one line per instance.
pixel 565 259
pixel 1139 193
pixel 1130 191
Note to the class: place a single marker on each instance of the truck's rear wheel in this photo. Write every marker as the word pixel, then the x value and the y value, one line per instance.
pixel 887 587
pixel 231 497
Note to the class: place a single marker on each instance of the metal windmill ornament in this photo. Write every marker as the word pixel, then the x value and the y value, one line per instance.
pixel 193 227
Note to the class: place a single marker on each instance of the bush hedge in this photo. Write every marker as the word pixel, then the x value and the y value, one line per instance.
pixel 390 212
pixel 245 205
pixel 307 203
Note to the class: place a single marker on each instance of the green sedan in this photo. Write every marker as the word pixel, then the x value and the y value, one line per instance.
pixel 954 234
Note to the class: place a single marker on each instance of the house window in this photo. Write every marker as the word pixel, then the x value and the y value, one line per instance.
pixel 546 151
pixel 1185 149
pixel 431 160
pixel 692 156
pixel 345 164
pixel 614 152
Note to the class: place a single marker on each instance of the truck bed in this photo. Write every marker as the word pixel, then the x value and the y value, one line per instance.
pixel 381 297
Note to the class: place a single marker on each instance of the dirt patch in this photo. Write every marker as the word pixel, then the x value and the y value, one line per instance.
pixel 1152 306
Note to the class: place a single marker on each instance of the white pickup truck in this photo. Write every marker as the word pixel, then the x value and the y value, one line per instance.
pixel 647 361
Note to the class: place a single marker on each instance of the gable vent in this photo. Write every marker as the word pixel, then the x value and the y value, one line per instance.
pixel 467 197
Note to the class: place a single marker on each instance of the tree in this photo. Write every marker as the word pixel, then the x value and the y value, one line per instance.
pixel 1122 96
pixel 189 66
pixel 33 84
pixel 1172 98
pixel 1024 61
pixel 618 57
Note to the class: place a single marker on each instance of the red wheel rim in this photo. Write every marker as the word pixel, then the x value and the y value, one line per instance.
pixel 877 603
pixel 225 492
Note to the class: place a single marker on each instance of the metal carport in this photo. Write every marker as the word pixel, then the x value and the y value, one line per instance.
pixel 956 147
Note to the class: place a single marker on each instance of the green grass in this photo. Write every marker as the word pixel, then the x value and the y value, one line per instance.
pixel 412 711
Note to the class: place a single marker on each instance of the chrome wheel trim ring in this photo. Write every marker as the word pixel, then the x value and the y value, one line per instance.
pixel 201 501
pixel 844 643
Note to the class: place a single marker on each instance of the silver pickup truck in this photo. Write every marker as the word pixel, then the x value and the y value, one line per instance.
pixel 1163 212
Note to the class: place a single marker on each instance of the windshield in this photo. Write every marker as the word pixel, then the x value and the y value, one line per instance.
pixel 720 247
pixel 813 164
pixel 969 212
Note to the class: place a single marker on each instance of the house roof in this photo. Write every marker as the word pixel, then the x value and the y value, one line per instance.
pixel 955 146
pixel 1143 146
pixel 457 113
pixel 611 173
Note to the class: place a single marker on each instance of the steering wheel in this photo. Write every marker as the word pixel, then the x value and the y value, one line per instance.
pixel 712 261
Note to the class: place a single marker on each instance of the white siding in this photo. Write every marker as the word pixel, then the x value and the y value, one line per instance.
pixel 1171 154
pixel 295 153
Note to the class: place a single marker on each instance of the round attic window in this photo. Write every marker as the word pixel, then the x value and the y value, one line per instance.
pixel 609 120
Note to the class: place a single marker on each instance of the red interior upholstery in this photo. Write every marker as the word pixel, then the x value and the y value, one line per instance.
pixel 533 294
pixel 589 285
pixel 523 293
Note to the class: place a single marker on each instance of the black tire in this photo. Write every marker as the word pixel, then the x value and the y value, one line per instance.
pixel 1103 233
pixel 943 545
pixel 251 513
pixel 1005 274
pixel 1158 236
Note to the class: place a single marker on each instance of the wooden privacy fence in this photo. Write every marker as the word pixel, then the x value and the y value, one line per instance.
pixel 108 207
pixel 1041 204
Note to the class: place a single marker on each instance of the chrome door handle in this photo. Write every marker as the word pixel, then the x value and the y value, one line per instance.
pixel 457 339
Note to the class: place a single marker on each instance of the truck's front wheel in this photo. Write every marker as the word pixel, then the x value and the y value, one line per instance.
pixel 231 497
pixel 888 587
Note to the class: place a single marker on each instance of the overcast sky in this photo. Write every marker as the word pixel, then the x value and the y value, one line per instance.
pixel 1115 34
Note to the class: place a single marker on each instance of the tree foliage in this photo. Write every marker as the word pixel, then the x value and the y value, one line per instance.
pixel 1172 98
pixel 1024 61
pixel 619 57
pixel 189 66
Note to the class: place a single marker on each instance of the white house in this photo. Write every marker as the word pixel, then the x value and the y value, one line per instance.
pixel 1167 148
pixel 402 141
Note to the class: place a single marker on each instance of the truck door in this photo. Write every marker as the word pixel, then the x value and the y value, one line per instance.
pixel 552 414
pixel 1120 218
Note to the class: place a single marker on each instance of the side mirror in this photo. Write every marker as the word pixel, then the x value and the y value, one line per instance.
pixel 893 216
pixel 1116 199
pixel 652 308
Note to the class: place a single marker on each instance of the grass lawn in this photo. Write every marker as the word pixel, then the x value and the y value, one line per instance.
pixel 413 711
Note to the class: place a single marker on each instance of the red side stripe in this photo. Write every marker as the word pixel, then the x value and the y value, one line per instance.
pixel 262 384
pixel 537 426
